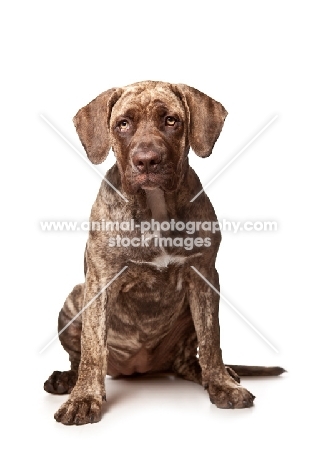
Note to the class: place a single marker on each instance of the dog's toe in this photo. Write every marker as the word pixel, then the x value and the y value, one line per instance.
pixel 60 382
pixel 229 396
pixel 79 411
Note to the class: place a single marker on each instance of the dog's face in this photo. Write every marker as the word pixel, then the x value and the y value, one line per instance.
pixel 150 126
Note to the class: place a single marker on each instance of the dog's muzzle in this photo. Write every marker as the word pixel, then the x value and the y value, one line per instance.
pixel 146 162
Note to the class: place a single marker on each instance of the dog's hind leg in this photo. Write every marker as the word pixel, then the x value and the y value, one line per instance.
pixel 185 364
pixel 188 370
pixel 69 329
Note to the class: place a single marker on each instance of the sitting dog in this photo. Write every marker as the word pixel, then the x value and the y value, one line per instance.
pixel 144 306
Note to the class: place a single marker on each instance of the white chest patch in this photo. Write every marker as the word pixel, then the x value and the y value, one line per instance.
pixel 164 259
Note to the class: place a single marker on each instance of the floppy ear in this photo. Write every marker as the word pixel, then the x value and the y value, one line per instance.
pixel 92 125
pixel 206 118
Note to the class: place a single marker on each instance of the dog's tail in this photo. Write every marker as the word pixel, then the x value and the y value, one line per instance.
pixel 256 371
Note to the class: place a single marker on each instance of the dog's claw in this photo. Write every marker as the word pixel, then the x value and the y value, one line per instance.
pixel 60 382
pixel 79 411
pixel 229 396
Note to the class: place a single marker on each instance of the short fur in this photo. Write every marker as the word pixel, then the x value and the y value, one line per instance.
pixel 158 312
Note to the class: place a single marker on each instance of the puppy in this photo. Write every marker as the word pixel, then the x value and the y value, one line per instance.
pixel 150 299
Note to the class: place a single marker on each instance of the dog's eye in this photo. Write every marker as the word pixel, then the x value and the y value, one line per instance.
pixel 170 121
pixel 123 125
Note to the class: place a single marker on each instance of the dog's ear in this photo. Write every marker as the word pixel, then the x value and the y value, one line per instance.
pixel 92 125
pixel 206 117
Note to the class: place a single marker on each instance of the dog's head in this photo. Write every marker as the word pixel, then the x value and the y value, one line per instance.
pixel 150 126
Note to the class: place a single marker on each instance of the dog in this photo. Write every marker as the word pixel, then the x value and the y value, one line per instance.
pixel 145 306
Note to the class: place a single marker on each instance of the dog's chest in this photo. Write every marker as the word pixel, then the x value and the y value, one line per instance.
pixel 155 279
pixel 151 300
pixel 163 259
pixel 150 296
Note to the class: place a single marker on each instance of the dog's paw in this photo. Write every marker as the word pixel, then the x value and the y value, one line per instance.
pixel 60 382
pixel 230 395
pixel 78 411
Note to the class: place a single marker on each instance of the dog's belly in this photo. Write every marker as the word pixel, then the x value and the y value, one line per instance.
pixel 148 320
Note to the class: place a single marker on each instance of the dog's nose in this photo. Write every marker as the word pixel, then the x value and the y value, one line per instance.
pixel 146 161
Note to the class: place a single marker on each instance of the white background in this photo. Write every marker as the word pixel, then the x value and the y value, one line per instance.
pixel 254 58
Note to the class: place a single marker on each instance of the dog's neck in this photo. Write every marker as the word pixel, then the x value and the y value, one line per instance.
pixel 156 202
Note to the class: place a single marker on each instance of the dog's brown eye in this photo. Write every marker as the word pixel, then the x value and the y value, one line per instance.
pixel 170 121
pixel 123 125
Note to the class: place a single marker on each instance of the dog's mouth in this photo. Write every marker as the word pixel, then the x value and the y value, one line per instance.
pixel 149 181
pixel 164 179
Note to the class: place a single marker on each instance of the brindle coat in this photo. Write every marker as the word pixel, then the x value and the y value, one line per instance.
pixel 158 311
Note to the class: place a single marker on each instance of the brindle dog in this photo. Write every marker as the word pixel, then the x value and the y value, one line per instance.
pixel 158 312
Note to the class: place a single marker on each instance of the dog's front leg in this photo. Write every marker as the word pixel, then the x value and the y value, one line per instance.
pixel 85 402
pixel 223 390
